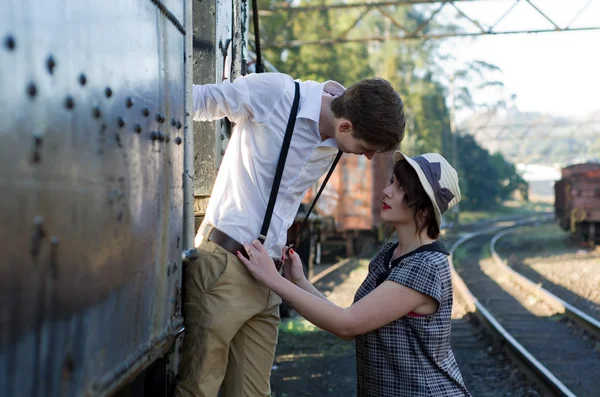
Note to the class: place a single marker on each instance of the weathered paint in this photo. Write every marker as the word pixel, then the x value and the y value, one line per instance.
pixel 91 211
pixel 219 53
pixel 579 191
pixel 352 198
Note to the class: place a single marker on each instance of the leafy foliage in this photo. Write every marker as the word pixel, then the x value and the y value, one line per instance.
pixel 412 67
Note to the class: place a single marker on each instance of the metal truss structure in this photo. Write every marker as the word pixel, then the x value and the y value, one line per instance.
pixel 469 26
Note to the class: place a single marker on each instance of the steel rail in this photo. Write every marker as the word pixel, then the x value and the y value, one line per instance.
pixel 542 375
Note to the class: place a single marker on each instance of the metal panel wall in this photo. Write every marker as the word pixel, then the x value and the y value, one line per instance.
pixel 220 31
pixel 91 153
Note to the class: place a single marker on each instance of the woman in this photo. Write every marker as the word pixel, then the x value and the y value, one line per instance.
pixel 402 311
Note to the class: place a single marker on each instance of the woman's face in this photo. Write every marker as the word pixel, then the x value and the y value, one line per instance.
pixel 393 208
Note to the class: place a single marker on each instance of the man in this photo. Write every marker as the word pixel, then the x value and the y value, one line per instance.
pixel 231 320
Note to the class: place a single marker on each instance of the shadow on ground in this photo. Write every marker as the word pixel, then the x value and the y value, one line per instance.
pixel 311 362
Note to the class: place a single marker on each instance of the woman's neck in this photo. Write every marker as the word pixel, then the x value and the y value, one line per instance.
pixel 409 240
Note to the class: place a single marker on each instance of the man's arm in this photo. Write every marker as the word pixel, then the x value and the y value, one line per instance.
pixel 252 96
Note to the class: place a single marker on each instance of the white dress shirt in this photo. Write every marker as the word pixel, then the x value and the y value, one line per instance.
pixel 260 106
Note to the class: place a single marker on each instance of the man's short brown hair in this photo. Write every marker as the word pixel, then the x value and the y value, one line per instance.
pixel 376 112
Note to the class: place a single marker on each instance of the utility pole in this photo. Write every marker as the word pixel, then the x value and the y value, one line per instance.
pixel 453 134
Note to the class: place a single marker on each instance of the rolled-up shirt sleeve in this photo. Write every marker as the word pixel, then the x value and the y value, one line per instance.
pixel 252 96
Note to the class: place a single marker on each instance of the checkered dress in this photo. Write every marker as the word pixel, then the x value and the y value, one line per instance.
pixel 410 356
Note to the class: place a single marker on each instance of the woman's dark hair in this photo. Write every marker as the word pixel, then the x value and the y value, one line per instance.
pixel 416 199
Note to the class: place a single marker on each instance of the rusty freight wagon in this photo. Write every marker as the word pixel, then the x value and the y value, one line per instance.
pixel 577 200
pixel 351 203
pixel 98 196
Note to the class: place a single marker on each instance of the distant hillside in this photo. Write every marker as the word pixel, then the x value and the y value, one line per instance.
pixel 534 138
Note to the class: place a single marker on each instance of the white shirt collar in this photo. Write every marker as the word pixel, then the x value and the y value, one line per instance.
pixel 310 104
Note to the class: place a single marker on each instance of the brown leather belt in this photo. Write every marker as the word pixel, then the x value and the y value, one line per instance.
pixel 213 234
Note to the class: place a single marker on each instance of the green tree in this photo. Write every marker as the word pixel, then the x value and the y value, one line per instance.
pixel 486 180
pixel 509 180
pixel 347 63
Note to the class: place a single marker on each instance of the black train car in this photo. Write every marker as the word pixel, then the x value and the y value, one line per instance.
pixel 577 200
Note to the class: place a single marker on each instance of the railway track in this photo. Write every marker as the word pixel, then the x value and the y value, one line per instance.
pixel 534 326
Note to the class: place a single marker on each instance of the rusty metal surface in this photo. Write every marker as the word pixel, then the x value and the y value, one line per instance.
pixel 91 113
pixel 349 196
pixel 578 190
pixel 220 41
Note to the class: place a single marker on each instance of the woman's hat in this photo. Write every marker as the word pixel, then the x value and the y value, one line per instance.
pixel 438 178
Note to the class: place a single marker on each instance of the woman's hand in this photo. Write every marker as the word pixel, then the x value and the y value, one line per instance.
pixel 259 263
pixel 292 267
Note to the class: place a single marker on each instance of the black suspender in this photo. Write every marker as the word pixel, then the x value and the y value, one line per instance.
pixel 280 166
pixel 312 206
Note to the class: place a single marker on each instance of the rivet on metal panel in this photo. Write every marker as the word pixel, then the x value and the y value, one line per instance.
pixel 154 135
pixel 160 118
pixel 50 64
pixel 222 136
pixel 69 102
pixel 222 152
pixel 82 79
pixel 96 112
pixel 178 140
pixel 108 92
pixel 129 102
pixel 68 368
pixel 178 125
pixel 118 140
pixel 37 145
pixel 173 122
pixel 145 112
pixel 54 242
pixel 32 90
pixel 38 235
pixel 120 122
pixel 10 43
pixel 161 136
pixel 137 128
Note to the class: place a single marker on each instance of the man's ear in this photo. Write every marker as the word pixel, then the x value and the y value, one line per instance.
pixel 345 126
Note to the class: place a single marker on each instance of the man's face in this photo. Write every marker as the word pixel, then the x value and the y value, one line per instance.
pixel 349 144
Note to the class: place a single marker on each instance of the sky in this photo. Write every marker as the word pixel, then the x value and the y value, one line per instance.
pixel 555 73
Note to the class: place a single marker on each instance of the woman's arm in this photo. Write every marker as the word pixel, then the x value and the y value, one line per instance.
pixel 294 271
pixel 385 304
pixel 308 287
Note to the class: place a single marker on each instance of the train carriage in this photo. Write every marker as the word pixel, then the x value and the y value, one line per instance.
pixel 577 200
pixel 99 200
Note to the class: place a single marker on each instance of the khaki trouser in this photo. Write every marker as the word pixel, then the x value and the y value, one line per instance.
pixel 231 323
